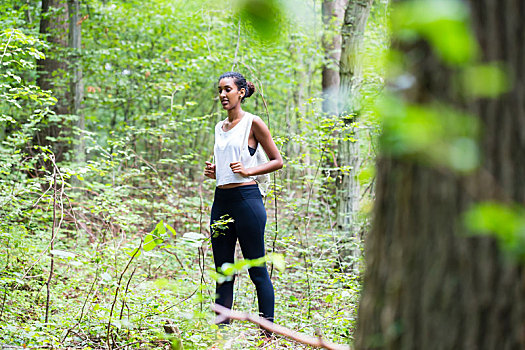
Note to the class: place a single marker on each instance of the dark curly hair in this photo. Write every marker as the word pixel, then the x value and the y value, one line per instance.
pixel 240 82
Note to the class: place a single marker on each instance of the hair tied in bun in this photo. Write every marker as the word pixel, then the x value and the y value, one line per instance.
pixel 250 89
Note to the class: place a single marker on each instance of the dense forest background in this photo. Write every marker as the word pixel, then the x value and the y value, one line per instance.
pixel 107 117
pixel 401 127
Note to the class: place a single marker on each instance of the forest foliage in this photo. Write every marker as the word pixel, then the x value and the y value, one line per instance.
pixel 107 243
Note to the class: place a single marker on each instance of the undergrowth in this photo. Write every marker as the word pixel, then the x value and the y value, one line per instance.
pixel 164 290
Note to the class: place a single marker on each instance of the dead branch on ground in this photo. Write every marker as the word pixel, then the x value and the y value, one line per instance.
pixel 275 328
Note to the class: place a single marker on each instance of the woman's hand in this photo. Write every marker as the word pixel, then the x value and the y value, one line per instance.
pixel 238 168
pixel 209 171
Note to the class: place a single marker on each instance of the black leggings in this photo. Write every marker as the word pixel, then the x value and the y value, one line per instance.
pixel 244 205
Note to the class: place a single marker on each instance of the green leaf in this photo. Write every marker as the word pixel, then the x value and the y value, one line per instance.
pixel 444 24
pixel 435 134
pixel 277 260
pixel 171 229
pixel 161 282
pixel 485 80
pixel 265 16
pixel 149 243
pixel 176 344
pixel 194 239
pixel 504 222
pixel 155 237
pixel 132 252
pixel 62 254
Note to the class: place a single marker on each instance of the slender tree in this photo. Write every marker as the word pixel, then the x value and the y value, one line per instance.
pixel 428 285
pixel 76 85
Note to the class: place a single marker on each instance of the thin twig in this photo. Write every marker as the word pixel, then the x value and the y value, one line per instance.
pixel 176 257
pixel 307 224
pixel 56 170
pixel 275 328
pixel 237 46
pixel 3 303
pixel 145 161
pixel 51 245
pixel 125 293
pixel 43 194
pixel 7 45
pixel 156 342
pixel 70 330
pixel 55 228
pixel 201 268
pixel 116 292
pixel 200 249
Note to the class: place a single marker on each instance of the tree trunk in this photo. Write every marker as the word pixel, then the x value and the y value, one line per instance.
pixel 50 71
pixel 76 85
pixel 332 12
pixel 427 285
pixel 355 18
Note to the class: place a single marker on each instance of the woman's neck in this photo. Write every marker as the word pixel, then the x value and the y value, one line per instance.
pixel 234 114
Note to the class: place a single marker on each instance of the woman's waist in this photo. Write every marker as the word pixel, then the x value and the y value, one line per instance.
pixel 226 178
pixel 236 184
pixel 237 191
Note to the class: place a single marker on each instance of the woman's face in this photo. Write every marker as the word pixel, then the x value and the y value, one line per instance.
pixel 229 95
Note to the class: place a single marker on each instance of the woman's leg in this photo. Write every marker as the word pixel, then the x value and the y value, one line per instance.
pixel 250 222
pixel 223 246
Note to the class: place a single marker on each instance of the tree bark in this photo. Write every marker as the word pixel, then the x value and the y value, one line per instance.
pixel 76 85
pixel 427 284
pixel 355 18
pixel 51 70
pixel 332 13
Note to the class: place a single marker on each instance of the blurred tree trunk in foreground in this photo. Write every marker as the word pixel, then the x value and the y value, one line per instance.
pixel 427 285
pixel 355 18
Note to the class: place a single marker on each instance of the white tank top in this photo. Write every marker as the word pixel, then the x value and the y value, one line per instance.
pixel 227 149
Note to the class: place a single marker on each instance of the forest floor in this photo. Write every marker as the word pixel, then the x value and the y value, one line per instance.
pixel 105 294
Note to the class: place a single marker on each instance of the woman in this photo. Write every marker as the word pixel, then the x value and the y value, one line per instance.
pixel 237 195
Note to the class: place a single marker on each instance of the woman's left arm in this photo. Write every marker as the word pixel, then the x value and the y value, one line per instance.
pixel 263 136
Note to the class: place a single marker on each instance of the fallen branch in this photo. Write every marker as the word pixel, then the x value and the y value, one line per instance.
pixel 275 328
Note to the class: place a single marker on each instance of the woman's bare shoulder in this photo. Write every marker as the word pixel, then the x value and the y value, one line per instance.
pixel 259 123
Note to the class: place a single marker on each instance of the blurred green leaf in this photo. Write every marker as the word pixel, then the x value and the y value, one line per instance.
pixel 366 174
pixel 265 16
pixel 176 344
pixel 484 80
pixel 504 222
pixel 443 23
pixel 435 134
pixel 161 282
pixel 277 260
